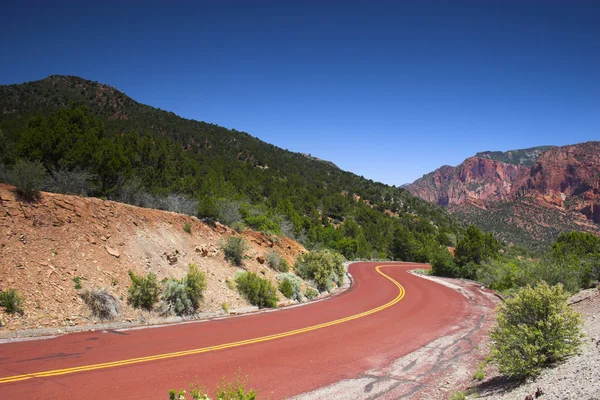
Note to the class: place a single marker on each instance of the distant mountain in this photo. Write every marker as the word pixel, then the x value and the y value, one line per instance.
pixel 160 154
pixel 524 196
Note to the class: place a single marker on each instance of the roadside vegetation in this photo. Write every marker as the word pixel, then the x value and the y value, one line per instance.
pixel 324 267
pixel 234 389
pixel 536 328
pixel 258 291
pixel 177 296
pixel 12 301
pixel 235 248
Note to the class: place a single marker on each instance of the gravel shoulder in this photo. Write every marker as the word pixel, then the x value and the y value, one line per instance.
pixel 576 378
pixel 433 371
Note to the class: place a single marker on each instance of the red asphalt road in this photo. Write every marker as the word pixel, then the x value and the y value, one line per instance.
pixel 279 368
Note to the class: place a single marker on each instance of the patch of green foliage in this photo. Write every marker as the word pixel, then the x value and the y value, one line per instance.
pixel 258 291
pixel 295 286
pixel 234 249
pixel 324 267
pixel 12 301
pixel 573 261
pixel 276 262
pixel 536 327
pixel 311 293
pixel 458 396
pixel 285 287
pixel 144 291
pixel 77 281
pixel 187 227
pixel 225 390
pixel 183 297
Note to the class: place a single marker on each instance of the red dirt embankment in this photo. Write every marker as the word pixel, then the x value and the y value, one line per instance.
pixel 45 245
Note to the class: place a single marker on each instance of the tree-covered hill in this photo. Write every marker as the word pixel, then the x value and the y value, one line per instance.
pixel 81 130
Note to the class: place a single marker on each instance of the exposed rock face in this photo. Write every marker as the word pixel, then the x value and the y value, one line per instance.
pixel 546 191
pixel 477 180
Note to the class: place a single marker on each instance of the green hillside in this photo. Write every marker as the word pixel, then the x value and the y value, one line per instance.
pixel 526 157
pixel 131 152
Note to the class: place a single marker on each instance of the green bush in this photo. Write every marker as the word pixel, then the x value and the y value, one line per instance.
pixel 323 267
pixel 226 390
pixel 28 178
pixel 458 396
pixel 311 293
pixel 234 248
pixel 102 304
pixel 175 299
pixel 262 223
pixel 295 291
pixel 276 262
pixel 144 291
pixel 536 327
pixel 235 389
pixel 11 301
pixel 77 281
pixel 183 297
pixel 187 227
pixel 195 283
pixel 258 291
pixel 285 287
pixel 442 264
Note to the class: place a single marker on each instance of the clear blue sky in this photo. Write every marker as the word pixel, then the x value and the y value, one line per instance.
pixel 387 89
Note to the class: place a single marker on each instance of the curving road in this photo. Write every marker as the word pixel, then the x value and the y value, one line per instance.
pixel 386 314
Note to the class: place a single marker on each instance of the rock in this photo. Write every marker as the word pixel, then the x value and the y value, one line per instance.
pixel 10 280
pixel 112 252
pixel 260 259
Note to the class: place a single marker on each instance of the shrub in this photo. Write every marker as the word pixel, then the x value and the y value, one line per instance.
pixel 12 301
pixel 144 291
pixel 76 182
pixel 295 284
pixel 258 291
pixel 175 299
pixel 226 390
pixel 458 396
pixel 183 297
pixel 102 304
pixel 442 264
pixel 499 275
pixel 235 389
pixel 28 178
pixel 187 227
pixel 323 267
pixel 225 307
pixel 311 293
pixel 262 223
pixel 77 281
pixel 234 248
pixel 285 287
pixel 535 327
pixel 276 262
pixel 195 283
pixel 230 283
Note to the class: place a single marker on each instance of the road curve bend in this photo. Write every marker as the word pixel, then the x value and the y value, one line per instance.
pixel 386 314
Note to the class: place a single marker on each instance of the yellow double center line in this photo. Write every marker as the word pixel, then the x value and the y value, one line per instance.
pixel 92 367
